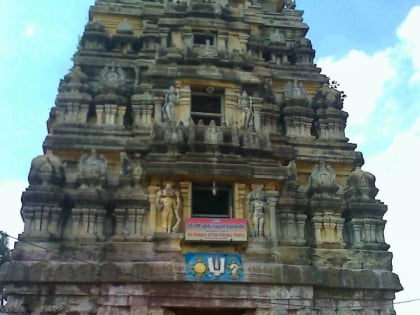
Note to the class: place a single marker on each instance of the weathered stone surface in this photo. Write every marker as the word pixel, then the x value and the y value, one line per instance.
pixel 205 109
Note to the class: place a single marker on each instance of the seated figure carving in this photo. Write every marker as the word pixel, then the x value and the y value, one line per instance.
pixel 92 170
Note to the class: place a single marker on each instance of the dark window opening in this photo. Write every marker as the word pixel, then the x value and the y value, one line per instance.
pixel 206 107
pixel 204 38
pixel 211 204
pixel 266 55
pixel 169 40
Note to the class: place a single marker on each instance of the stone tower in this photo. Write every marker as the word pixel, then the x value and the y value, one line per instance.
pixel 196 163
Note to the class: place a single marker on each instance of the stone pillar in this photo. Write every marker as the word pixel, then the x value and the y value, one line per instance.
pixel 60 114
pixel 183 108
pixel 163 33
pixel 84 109
pixel 158 109
pixel 301 223
pixel 120 116
pixel 136 115
pixel 273 198
pixel 257 106
pixel 243 40
pixel 188 39
pixel 110 113
pixel 221 41
pixel 121 229
pixel 99 114
pixel 97 216
pixel 29 219
pixel 331 123
pixel 153 211
pixel 148 116
pixel 135 222
pixel 298 121
pixel 53 227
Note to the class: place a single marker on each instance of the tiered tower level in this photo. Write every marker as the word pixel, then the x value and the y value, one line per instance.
pixel 196 163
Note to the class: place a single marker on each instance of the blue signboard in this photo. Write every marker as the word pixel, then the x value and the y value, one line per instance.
pixel 213 267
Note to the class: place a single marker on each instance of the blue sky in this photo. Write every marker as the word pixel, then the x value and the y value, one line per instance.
pixel 372 48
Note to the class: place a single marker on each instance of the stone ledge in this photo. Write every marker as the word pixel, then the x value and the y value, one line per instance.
pixel 157 272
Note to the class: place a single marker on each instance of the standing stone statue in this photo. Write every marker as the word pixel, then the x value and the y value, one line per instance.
pixel 168 201
pixel 171 98
pixel 257 203
pixel 245 105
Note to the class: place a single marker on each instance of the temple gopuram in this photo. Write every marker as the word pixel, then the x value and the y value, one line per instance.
pixel 196 162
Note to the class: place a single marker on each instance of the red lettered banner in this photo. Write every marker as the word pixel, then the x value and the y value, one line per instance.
pixel 209 229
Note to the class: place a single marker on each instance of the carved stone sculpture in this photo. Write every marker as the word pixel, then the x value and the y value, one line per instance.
pixel 257 204
pixel 173 133
pixel 290 4
pixel 322 180
pixel 295 90
pixel 171 99
pixel 46 170
pixel 245 105
pixel 168 201
pixel 131 171
pixel 92 170
pixel 328 96
pixel 213 134
pixel 360 185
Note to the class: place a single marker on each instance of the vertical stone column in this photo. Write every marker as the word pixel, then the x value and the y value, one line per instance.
pixel 239 200
pixel 60 114
pixel 120 115
pixel 163 34
pixel 136 109
pixel 84 109
pixel 257 106
pixel 232 113
pixel 29 219
pixel 188 39
pixel 99 114
pixel 121 229
pixel 110 113
pixel 53 227
pixel 98 217
pixel 301 222
pixel 148 114
pixel 273 198
pixel 183 108
pixel 243 40
pixel 135 222
pixel 37 211
pixel 158 108
pixel 153 210
pixel 221 41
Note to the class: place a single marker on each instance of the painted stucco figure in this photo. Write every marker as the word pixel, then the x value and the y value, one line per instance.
pixel 257 203
pixel 171 98
pixel 168 201
pixel 245 105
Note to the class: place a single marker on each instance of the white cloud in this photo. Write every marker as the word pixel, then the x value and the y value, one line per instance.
pixel 397 174
pixel 10 193
pixel 30 30
pixel 362 77
pixel 385 115
pixel 408 32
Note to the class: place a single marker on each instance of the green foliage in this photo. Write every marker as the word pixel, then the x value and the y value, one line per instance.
pixel 4 249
